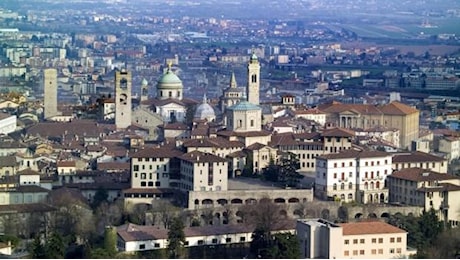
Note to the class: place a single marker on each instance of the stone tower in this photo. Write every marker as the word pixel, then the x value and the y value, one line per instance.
pixel 253 87
pixel 50 93
pixel 122 99
pixel 144 90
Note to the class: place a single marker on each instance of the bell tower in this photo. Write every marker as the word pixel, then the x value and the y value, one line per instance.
pixel 122 99
pixel 253 87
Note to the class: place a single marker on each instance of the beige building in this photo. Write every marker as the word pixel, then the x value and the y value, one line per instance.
pixel 364 240
pixel 203 172
pixel 308 146
pixel 419 159
pixel 450 146
pixel 261 155
pixel 50 93
pixel 253 87
pixel 428 189
pixel 365 116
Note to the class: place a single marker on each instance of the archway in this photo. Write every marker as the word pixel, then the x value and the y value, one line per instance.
pixel 222 202
pixel 385 215
pixel 371 199
pixel 280 200
pixel 293 200
pixel 382 198
pixel 250 201
pixel 236 201
pixel 358 215
pixel 207 202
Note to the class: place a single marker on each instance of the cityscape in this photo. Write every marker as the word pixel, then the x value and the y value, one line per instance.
pixel 229 129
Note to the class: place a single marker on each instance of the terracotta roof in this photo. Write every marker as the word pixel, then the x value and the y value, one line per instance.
pixel 75 127
pixel 351 153
pixel 419 175
pixel 338 132
pixel 66 164
pixel 120 166
pixel 416 157
pixel 28 171
pixel 161 152
pixel 217 142
pixel 440 187
pixel 197 156
pixel 394 108
pixel 133 232
pixel 256 146
pixel 237 154
pixel 147 190
pixel 371 227
pixel 244 134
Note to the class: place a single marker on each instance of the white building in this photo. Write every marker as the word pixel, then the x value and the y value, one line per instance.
pixel 311 114
pixel 7 123
pixel 353 175
pixel 320 238
pixel 132 238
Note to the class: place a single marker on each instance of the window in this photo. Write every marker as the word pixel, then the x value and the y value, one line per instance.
pixel 335 175
pixel 135 167
pixel 355 241
pixel 347 241
pixel 392 250
pixel 361 241
pixel 361 252
pixel 374 251
pixel 242 239
pixel 214 240
pixel 355 252
pixel 346 253
pixel 156 245
pixel 200 242
pixel 143 183
pixel 380 251
pixel 392 239
pixel 335 165
pixel 398 250
pixel 380 240
pixel 142 246
pixel 228 240
pixel 398 239
pixel 374 240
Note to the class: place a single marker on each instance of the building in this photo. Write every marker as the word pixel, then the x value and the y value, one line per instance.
pixel 7 123
pixel 244 117
pixel 253 87
pixel 123 99
pixel 320 238
pixel 428 189
pixel 421 160
pixel 50 93
pixel 393 115
pixel 231 96
pixel 205 111
pixel 132 238
pixel 450 146
pixel 203 172
pixel 352 175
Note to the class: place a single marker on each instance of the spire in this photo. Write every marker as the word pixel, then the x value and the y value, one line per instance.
pixel 233 81
pixel 169 65
pixel 205 100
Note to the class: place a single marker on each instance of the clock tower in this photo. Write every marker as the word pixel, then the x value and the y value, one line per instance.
pixel 122 99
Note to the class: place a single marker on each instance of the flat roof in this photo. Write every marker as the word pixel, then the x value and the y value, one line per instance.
pixel 251 184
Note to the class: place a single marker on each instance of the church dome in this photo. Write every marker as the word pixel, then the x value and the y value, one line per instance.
pixel 169 80
pixel 244 106
pixel 205 111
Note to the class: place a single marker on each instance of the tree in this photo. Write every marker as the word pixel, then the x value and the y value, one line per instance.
pixel 284 246
pixel 288 170
pixel 55 247
pixel 100 196
pixel 37 250
pixel 166 211
pixel 176 238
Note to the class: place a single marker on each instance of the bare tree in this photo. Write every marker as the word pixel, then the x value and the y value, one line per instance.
pixel 166 212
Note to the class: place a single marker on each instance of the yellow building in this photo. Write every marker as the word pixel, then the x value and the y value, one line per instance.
pixel 364 116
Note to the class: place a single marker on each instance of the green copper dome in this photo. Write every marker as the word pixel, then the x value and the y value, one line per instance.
pixel 169 78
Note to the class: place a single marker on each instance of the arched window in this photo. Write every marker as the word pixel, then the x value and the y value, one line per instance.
pixel 366 187
pixel 350 186
pixel 377 185
pixel 342 186
pixel 254 78
pixel 334 187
